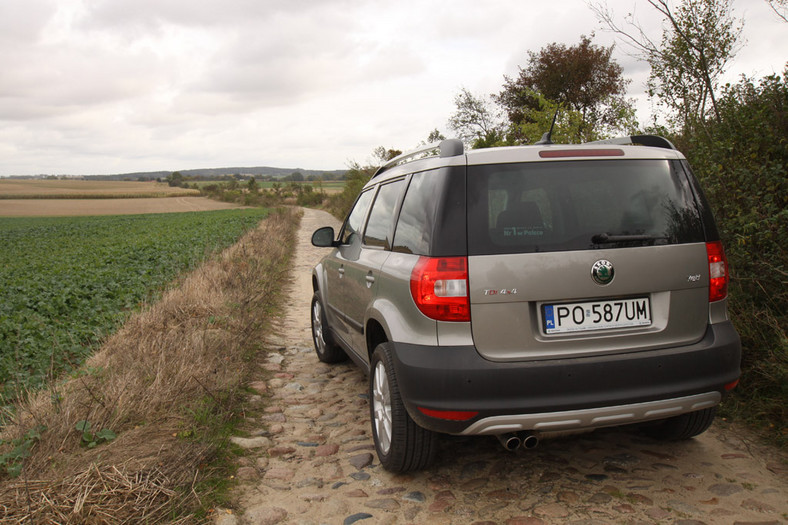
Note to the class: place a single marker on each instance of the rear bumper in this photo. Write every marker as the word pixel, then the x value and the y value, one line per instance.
pixel 565 394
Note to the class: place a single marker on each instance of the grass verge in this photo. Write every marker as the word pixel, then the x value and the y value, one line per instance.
pixel 139 434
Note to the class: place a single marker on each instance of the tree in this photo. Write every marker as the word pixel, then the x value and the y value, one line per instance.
pixel 382 155
pixel 538 119
pixel 356 177
pixel 780 8
pixel 252 185
pixel 175 179
pixel 476 121
pixel 699 39
pixel 339 204
pixel 582 78
pixel 435 136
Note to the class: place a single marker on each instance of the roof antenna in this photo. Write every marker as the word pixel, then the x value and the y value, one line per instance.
pixel 546 137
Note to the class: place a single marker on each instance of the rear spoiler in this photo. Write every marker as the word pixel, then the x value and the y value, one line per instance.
pixel 655 141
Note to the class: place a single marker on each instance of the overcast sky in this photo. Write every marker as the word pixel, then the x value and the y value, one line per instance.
pixel 116 86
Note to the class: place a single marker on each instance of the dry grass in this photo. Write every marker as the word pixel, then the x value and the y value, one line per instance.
pixel 185 355
pixel 111 495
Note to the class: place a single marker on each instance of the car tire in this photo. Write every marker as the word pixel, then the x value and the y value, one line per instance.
pixel 325 347
pixel 401 444
pixel 684 426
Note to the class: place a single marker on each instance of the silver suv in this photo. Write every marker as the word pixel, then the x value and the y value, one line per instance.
pixel 525 291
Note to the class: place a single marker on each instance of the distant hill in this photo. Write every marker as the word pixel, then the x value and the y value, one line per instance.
pixel 217 173
pixel 209 173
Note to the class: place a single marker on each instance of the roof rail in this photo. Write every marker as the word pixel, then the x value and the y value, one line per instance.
pixel 447 148
pixel 643 140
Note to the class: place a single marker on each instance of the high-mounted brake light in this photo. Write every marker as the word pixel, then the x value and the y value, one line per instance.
pixel 718 271
pixel 439 286
pixel 563 153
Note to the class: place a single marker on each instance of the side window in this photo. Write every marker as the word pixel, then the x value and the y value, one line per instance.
pixel 417 217
pixel 355 220
pixel 381 218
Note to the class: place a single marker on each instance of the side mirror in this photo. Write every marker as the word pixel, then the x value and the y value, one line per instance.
pixel 323 237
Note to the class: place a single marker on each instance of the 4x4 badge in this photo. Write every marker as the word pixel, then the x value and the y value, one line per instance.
pixel 602 272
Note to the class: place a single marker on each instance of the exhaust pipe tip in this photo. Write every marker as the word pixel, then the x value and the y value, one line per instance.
pixel 510 442
pixel 530 441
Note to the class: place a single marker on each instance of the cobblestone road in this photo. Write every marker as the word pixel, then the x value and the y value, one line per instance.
pixel 312 459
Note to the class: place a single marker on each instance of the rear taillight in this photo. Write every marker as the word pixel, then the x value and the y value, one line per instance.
pixel 439 286
pixel 718 271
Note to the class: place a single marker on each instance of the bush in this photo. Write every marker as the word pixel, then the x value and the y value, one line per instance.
pixel 339 204
pixel 741 161
pixel 310 198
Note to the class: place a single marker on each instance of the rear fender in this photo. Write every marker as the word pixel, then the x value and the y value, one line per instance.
pixel 404 327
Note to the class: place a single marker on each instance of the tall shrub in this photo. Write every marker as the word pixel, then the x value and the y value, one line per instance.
pixel 743 165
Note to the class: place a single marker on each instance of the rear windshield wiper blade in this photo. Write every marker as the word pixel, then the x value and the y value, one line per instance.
pixel 601 238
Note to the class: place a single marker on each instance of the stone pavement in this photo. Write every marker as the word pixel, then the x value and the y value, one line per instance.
pixel 311 458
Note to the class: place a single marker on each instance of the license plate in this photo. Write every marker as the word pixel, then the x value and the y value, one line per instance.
pixel 596 315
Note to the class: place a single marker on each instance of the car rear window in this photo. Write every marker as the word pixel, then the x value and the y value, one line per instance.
pixel 577 205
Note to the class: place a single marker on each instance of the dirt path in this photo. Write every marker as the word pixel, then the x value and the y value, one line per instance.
pixel 313 459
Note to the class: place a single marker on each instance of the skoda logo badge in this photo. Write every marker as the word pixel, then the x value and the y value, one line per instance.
pixel 602 272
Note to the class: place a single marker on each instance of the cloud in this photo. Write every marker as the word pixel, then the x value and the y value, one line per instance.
pixel 92 86
pixel 130 15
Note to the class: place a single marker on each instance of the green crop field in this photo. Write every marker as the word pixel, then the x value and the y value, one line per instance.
pixel 65 283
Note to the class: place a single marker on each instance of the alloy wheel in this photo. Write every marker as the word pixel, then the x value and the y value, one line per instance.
pixel 317 327
pixel 381 404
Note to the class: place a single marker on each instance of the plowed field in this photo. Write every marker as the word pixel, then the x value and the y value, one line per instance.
pixel 74 207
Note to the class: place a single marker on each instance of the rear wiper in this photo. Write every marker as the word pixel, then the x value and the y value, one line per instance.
pixel 601 238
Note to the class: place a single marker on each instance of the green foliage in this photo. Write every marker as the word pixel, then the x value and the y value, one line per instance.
pixel 538 119
pixel 384 155
pixel 435 136
pixel 570 126
pixel 737 142
pixel 339 204
pixel 586 82
pixel 92 439
pixel 272 193
pixel 68 282
pixel 742 162
pixel 699 38
pixel 692 56
pixel 13 461
pixel 175 179
pixel 476 120
pixel 307 196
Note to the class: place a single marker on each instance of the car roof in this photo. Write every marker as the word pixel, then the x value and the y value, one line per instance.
pixel 515 154
pixel 558 152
